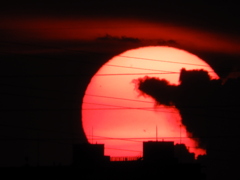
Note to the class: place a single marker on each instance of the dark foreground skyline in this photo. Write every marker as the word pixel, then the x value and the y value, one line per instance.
pixel 160 159
pixel 46 67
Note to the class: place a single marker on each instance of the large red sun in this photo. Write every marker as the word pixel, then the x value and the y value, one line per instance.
pixel 113 112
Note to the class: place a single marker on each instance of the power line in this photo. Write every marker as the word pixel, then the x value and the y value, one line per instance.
pixel 119 107
pixel 82 51
pixel 37 129
pixel 69 109
pixel 117 98
pixel 158 60
pixel 135 139
pixel 139 139
pixel 140 68
pixel 122 74
pixel 85 74
pixel 70 75
pixel 135 100
pixel 115 107
pixel 93 103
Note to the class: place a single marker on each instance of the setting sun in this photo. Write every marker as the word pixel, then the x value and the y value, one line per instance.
pixel 116 114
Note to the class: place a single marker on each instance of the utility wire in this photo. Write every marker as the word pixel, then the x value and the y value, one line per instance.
pixel 57 99
pixel 159 60
pixel 36 129
pixel 147 59
pixel 109 97
pixel 93 103
pixel 131 74
pixel 116 107
pixel 88 52
pixel 141 68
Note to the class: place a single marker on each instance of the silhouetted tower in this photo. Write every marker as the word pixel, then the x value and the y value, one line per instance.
pixel 158 151
pixel 182 154
pixel 88 154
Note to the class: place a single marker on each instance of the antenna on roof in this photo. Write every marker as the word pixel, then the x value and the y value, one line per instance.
pixel 180 134
pixel 92 134
pixel 156 134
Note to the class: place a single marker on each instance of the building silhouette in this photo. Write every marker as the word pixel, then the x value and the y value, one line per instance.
pixel 89 154
pixel 182 154
pixel 163 158
pixel 160 159
pixel 158 152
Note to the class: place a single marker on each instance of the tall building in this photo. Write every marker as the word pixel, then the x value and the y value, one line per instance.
pixel 182 154
pixel 158 151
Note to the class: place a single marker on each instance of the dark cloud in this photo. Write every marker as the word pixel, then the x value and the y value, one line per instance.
pixel 197 97
pixel 160 89
pixel 170 42
pixel 209 109
pixel 108 37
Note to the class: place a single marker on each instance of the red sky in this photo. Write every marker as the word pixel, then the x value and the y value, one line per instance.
pixel 86 29
pixel 52 31
pixel 43 35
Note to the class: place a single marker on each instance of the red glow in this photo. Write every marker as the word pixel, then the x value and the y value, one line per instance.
pixel 75 29
pixel 113 112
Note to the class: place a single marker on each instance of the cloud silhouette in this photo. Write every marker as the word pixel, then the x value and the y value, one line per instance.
pixel 160 89
pixel 108 37
pixel 167 42
pixel 209 109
